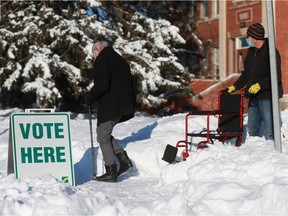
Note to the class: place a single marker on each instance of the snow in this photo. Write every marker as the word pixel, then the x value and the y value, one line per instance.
pixel 219 180
pixel 38 60
pixel 12 78
pixel 10 51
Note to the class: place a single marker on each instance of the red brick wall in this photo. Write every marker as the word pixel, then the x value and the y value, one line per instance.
pixel 233 11
pixel 282 39
pixel 235 8
pixel 207 32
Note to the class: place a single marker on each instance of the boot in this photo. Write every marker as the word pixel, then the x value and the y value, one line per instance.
pixel 125 163
pixel 110 175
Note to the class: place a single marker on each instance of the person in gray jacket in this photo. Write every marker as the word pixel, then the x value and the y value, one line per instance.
pixel 257 80
pixel 114 93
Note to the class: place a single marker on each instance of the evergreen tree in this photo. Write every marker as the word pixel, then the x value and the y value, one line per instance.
pixel 46 52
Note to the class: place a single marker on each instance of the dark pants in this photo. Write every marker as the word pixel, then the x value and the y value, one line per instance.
pixel 108 144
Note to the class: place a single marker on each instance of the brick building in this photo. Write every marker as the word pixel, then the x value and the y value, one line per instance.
pixel 221 27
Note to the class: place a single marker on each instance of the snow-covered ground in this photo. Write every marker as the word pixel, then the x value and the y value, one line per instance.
pixel 219 180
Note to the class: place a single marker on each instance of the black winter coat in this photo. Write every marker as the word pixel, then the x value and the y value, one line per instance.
pixel 257 70
pixel 113 88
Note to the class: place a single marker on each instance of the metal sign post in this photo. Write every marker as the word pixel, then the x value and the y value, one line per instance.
pixel 274 78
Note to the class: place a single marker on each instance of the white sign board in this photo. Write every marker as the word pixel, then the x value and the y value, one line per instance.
pixel 42 145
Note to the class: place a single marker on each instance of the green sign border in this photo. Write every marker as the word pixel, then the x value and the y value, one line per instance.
pixel 42 114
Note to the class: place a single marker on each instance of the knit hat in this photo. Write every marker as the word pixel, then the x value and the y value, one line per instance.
pixel 256 31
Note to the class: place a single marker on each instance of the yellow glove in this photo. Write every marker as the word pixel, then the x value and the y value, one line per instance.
pixel 254 88
pixel 231 89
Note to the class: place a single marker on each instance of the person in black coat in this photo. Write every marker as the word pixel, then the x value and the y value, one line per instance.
pixel 114 93
pixel 256 77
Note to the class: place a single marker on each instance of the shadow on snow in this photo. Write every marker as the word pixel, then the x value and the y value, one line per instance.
pixel 83 168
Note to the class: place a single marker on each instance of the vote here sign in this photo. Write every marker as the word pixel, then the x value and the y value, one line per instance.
pixel 42 145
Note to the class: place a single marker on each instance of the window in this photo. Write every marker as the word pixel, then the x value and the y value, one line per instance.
pixel 215 62
pixel 241 42
pixel 203 9
pixel 215 8
pixel 241 50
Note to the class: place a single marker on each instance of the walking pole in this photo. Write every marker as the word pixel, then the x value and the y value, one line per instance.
pixel 92 146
